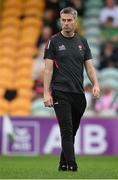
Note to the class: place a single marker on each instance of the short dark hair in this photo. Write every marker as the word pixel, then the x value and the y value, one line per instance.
pixel 69 10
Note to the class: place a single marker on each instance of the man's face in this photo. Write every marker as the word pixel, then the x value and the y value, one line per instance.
pixel 110 3
pixel 68 22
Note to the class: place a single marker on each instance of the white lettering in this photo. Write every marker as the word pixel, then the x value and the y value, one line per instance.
pixel 53 140
pixel 94 139
pixel 78 142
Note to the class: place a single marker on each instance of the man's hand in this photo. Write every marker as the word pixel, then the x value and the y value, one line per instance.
pixel 48 100
pixel 96 91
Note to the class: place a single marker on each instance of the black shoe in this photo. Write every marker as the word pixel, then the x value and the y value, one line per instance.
pixel 62 167
pixel 73 167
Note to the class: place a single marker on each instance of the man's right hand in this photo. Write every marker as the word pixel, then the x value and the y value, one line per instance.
pixel 48 100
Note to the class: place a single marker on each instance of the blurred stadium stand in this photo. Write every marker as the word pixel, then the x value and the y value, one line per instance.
pixel 25 27
pixel 20 26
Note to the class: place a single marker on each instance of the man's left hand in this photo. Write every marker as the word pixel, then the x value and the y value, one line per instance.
pixel 96 91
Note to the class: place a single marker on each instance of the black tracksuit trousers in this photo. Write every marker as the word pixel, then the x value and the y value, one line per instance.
pixel 69 108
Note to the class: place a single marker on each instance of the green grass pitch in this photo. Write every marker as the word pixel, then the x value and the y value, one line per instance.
pixel 45 167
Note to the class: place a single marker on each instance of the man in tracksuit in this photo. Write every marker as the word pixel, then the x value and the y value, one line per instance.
pixel 66 54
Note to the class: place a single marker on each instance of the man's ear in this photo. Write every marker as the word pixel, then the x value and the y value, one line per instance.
pixel 76 26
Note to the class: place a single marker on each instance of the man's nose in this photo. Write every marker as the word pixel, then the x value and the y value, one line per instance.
pixel 66 22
